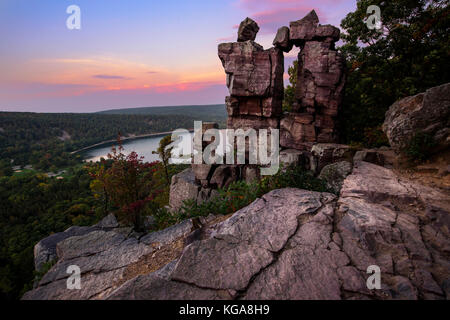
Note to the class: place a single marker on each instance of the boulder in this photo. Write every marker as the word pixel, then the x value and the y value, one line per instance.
pixel 202 171
pixel 282 39
pixel 248 30
pixel 45 250
pixel 327 32
pixel 372 156
pixel 427 112
pixel 183 187
pixel 108 222
pixel 290 157
pixel 304 29
pixel 328 153
pixel 334 175
pixel 225 175
pixel 251 173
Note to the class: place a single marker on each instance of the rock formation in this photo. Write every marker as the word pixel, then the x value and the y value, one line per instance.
pixel 320 82
pixel 255 82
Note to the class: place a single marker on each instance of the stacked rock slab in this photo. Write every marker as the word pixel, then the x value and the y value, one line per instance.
pixel 254 80
pixel 320 81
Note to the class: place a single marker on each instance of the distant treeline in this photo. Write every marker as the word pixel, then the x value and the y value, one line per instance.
pixel 216 113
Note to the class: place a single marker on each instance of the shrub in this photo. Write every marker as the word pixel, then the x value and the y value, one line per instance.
pixel 240 194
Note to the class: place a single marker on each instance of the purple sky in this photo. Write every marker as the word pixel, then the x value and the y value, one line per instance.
pixel 131 53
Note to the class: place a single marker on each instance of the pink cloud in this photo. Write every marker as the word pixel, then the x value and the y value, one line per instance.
pixel 272 14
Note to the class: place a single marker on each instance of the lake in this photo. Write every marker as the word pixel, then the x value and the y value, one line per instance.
pixel 145 146
pixel 142 146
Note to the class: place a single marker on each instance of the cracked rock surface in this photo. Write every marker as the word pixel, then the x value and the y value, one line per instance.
pixel 290 244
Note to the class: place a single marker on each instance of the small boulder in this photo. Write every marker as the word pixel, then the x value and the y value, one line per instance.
pixel 328 153
pixel 247 30
pixel 183 187
pixel 328 31
pixel 371 156
pixel 45 250
pixel 282 39
pixel 108 222
pixel 304 29
pixel 224 175
pixel 335 174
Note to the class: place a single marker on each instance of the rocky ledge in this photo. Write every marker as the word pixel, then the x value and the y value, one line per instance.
pixel 290 244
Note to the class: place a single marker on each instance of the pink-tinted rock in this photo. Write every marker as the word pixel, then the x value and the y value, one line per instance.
pixel 248 68
pixel 304 29
pixel 328 31
pixel 295 134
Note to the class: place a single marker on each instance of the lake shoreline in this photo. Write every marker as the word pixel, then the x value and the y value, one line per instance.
pixel 148 135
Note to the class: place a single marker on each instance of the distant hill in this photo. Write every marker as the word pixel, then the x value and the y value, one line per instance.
pixel 215 112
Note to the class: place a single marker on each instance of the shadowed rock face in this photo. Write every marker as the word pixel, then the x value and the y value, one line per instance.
pixel 290 244
pixel 247 30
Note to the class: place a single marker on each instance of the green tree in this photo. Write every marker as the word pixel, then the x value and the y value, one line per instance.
pixel 289 91
pixel 165 153
pixel 408 55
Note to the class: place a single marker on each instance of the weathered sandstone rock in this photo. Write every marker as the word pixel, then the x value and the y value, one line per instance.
pixel 45 250
pixel 427 112
pixel 304 29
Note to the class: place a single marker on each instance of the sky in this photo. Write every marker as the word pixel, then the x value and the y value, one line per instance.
pixel 131 53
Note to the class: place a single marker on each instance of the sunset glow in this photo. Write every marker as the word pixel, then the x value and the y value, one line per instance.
pixel 130 53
